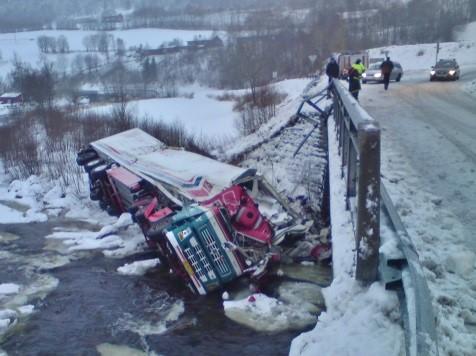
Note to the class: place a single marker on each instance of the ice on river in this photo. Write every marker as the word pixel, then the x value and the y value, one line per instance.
pixel 116 240
pixel 9 288
pixel 119 350
pixel 160 316
pixel 138 268
pixel 297 307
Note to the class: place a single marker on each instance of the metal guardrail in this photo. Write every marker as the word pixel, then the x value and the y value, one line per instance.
pixel 358 136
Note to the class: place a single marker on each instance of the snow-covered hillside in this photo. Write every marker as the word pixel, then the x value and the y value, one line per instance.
pixel 423 56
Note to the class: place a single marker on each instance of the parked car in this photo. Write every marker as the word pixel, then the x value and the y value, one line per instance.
pixel 445 69
pixel 374 74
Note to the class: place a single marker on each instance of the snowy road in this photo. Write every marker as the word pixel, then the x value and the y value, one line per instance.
pixel 435 125
pixel 429 169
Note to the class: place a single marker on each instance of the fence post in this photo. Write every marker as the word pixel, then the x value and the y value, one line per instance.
pixel 368 202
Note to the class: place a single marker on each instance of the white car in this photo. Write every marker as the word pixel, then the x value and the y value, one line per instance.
pixel 374 74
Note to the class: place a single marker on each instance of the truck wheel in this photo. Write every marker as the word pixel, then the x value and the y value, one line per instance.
pixel 112 211
pixel 98 172
pixel 95 194
pixel 102 204
pixel 399 78
pixel 85 157
pixel 154 233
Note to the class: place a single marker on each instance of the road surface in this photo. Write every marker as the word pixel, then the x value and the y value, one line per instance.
pixel 428 165
pixel 433 126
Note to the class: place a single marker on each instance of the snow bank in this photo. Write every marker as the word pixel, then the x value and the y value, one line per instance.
pixel 138 268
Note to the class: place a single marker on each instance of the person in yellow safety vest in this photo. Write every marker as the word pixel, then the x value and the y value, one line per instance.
pixel 359 67
pixel 355 74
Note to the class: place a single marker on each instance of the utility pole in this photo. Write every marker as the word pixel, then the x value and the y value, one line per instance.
pixel 437 51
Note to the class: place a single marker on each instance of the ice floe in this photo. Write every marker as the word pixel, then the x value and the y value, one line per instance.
pixel 138 268
pixel 263 313
pixel 9 288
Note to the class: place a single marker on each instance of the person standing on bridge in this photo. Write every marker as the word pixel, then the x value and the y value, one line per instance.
pixel 355 74
pixel 332 71
pixel 386 68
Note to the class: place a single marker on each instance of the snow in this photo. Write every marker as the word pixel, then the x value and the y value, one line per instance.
pixel 263 313
pixel 466 32
pixel 285 112
pixel 9 288
pixel 138 268
pixel 423 56
pixel 357 320
pixel 26 309
pixel 120 350
pixel 201 113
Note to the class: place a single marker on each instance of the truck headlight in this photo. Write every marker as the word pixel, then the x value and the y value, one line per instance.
pixel 452 72
pixel 364 75
pixel 432 72
pixel 377 75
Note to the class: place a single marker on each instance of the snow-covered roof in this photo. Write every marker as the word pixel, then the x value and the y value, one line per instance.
pixel 354 15
pixel 10 95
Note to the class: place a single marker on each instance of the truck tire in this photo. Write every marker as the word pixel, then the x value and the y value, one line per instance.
pixel 95 194
pixel 98 172
pixel 112 211
pixel 399 78
pixel 102 204
pixel 85 157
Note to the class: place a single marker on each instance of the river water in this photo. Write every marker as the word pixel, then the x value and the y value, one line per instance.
pixel 84 307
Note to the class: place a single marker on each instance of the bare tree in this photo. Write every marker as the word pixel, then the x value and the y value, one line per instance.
pixel 77 64
pixel 42 42
pixel 62 44
pixel 92 62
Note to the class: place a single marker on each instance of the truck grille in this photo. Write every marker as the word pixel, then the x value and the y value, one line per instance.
pixel 194 255
pixel 214 251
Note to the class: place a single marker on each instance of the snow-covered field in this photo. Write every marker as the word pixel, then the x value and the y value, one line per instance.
pixel 202 114
pixel 24 44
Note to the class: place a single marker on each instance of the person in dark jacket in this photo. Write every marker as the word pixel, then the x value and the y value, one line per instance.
pixel 332 71
pixel 386 68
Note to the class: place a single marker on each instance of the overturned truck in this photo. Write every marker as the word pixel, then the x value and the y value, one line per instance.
pixel 212 222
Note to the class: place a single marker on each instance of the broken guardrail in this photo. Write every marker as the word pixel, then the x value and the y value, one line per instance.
pixel 358 136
